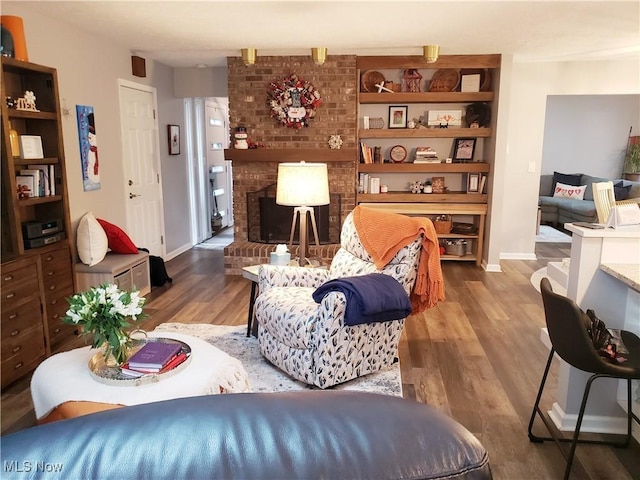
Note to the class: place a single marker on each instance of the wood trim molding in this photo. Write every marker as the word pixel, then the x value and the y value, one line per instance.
pixel 291 155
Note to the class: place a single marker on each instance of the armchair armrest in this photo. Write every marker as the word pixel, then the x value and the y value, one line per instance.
pixel 284 276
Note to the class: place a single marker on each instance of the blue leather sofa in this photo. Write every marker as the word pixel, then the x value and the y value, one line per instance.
pixel 289 435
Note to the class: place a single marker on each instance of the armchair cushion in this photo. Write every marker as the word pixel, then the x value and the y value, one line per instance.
pixel 370 298
pixel 270 276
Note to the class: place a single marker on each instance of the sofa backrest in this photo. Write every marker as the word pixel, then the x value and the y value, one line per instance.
pixel 546 185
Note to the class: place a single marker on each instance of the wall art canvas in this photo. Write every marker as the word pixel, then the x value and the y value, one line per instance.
pixel 88 139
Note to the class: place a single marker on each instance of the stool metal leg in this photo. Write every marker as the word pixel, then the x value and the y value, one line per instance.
pixel 252 301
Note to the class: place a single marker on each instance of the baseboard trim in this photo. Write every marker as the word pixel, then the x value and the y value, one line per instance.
pixel 178 251
pixel 590 423
pixel 518 256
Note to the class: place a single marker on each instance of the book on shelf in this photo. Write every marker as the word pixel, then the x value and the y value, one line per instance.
pixel 154 355
pixel 45 181
pixel 52 179
pixel 35 173
pixel 25 186
pixel 367 153
pixel 128 370
pixel 374 185
pixel 483 184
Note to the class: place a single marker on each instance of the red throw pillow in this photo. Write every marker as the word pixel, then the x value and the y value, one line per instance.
pixel 119 242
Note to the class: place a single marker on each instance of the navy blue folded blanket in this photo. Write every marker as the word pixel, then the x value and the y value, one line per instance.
pixel 370 298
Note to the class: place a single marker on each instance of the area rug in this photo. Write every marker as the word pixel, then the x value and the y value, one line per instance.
pixel 548 234
pixel 263 376
pixel 542 273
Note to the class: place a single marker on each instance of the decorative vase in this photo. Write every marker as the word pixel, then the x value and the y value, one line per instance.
pixel 14 27
pixel 15 145
pixel 115 356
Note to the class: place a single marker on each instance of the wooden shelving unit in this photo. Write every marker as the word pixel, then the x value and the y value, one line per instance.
pixel 36 280
pixel 460 204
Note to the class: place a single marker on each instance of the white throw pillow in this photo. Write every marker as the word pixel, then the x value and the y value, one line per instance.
pixel 91 240
pixel 569 191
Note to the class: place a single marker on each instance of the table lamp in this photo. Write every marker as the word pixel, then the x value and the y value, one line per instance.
pixel 303 186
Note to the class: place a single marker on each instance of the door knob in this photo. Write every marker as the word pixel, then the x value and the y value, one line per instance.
pixel 133 195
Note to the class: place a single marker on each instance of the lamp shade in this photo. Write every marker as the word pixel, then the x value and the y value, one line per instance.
pixel 302 184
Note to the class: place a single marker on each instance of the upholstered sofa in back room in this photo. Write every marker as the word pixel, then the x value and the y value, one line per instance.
pixel 567 206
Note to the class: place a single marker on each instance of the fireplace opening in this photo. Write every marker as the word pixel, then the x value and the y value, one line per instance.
pixel 269 222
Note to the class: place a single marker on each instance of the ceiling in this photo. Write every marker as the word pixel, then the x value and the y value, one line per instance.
pixel 190 33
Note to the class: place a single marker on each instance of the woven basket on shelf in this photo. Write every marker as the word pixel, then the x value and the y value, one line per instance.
pixel 443 224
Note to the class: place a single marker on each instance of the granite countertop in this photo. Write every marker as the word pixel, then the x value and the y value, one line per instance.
pixel 626 273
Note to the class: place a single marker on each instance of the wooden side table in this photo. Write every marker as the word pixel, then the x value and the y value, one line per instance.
pixel 251 273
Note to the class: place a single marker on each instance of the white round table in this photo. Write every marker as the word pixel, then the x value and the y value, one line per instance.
pixel 65 377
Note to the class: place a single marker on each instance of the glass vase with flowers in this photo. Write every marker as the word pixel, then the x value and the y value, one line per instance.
pixel 108 314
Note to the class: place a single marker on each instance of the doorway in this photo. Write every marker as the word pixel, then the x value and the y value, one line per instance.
pixel 210 177
pixel 141 163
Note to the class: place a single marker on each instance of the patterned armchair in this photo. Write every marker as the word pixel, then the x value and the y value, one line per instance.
pixel 309 341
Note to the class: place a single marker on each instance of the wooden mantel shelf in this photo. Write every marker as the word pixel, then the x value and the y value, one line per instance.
pixel 291 155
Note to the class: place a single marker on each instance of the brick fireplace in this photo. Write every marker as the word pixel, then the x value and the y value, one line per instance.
pixel 256 169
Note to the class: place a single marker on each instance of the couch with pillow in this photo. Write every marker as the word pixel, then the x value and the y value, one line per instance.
pixel 566 198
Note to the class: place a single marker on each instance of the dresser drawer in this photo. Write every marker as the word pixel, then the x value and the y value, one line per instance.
pixel 18 319
pixel 20 287
pixel 21 356
pixel 30 341
pixel 140 274
pixel 53 286
pixel 61 332
pixel 55 261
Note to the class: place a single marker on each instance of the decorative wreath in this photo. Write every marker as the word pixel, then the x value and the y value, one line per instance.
pixel 293 101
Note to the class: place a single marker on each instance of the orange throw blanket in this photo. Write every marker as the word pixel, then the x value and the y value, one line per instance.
pixel 383 234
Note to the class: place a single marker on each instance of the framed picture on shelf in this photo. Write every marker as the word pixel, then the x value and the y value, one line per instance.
pixel 174 139
pixel 473 183
pixel 398 116
pixel 463 149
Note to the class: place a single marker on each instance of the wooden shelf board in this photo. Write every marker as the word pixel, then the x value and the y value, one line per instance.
pixel 35 161
pixel 408 197
pixel 25 114
pixel 427 208
pixel 38 200
pixel 291 155
pixel 473 167
pixel 451 132
pixel 425 97
pixel 377 62
pixel 469 257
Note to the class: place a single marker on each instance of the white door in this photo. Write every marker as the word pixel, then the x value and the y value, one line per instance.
pixel 217 140
pixel 141 163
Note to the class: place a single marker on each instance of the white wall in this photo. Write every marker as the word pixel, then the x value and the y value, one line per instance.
pixel 89 67
pixel 589 133
pixel 531 84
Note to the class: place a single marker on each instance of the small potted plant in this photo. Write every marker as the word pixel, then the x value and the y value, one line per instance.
pixel 631 169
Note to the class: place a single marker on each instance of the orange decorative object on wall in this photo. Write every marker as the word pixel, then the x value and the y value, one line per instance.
pixel 15 28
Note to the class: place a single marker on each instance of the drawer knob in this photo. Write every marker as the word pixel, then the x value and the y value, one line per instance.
pixel 18 365
pixel 49 258
pixel 54 301
pixel 12 316
pixel 10 295
pixel 15 332
pixel 57 330
pixel 17 348
pixel 8 277
pixel 55 315
pixel 52 287
pixel 51 273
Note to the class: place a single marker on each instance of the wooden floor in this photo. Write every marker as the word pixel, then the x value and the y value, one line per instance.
pixel 477 357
